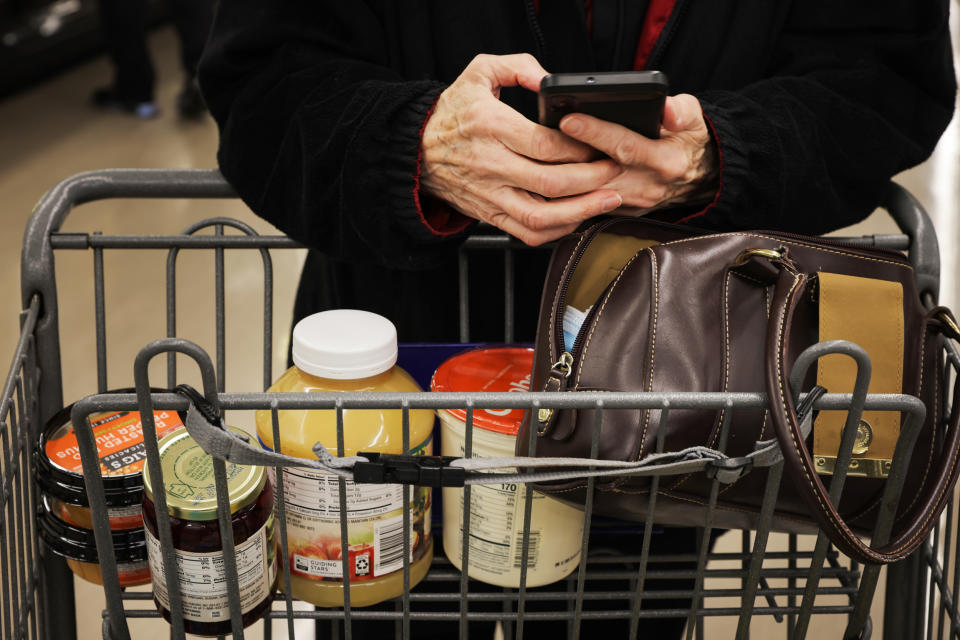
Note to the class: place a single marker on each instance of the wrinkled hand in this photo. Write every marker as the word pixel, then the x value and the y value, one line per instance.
pixel 491 163
pixel 678 168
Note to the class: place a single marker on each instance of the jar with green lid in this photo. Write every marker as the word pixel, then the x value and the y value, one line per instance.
pixel 192 504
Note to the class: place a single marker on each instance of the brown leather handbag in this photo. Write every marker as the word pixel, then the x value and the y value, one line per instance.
pixel 675 309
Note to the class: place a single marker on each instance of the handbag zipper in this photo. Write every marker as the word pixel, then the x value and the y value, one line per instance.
pixel 563 367
pixel 859 248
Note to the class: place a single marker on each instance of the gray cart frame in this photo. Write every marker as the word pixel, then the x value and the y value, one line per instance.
pixel 36 587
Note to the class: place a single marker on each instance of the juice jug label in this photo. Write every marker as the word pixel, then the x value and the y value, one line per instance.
pixel 374 513
pixel 203 578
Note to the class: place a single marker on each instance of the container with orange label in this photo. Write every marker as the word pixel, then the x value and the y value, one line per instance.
pixel 121 450
pixel 496 511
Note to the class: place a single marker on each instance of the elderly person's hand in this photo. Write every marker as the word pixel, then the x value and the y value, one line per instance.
pixel 678 168
pixel 491 163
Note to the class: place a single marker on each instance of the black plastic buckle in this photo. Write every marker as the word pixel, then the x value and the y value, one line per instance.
pixel 425 471
pixel 728 470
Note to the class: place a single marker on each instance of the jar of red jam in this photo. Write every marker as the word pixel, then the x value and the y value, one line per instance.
pixel 192 505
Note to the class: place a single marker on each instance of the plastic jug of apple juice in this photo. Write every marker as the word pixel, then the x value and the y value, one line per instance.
pixel 345 351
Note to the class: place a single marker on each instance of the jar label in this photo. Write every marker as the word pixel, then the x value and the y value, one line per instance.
pixel 374 516
pixel 119 437
pixel 129 517
pixel 203 579
pixel 131 574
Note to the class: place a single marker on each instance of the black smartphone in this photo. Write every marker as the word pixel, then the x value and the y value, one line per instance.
pixel 633 99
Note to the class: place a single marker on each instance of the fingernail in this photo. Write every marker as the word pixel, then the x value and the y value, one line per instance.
pixel 611 203
pixel 572 125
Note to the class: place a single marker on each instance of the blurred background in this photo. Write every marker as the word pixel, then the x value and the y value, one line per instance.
pixel 53 125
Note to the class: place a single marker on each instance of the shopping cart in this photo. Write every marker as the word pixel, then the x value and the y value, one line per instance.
pixel 792 586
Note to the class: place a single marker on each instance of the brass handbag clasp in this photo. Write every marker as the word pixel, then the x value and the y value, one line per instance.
pixel 770 254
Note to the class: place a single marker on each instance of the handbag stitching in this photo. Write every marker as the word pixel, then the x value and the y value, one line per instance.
pixel 780 390
pixel 718 423
pixel 791 243
pixel 655 282
pixel 752 279
pixel 766 412
pixel 655 267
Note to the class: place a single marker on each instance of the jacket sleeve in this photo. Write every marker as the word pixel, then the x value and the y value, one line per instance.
pixel 856 92
pixel 317 133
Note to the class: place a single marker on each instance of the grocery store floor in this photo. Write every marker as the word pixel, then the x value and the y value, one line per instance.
pixel 50 132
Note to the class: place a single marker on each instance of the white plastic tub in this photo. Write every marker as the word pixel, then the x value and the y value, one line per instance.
pixel 496 511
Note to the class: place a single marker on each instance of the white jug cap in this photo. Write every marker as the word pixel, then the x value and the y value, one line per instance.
pixel 344 344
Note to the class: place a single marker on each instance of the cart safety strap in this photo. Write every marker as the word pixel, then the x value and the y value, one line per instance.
pixel 226 445
pixel 716 464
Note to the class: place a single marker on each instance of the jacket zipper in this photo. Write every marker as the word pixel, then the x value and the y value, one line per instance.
pixel 665 38
pixel 534 24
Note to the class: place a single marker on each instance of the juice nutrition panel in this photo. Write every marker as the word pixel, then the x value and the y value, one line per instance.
pixel 375 519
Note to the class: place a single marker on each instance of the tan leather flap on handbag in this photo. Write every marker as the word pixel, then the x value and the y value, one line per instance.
pixel 869 313
pixel 599 266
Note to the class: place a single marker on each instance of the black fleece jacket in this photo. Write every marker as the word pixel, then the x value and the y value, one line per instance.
pixel 814 106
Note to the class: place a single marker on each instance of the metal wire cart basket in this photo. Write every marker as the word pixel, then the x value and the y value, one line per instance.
pixel 792 584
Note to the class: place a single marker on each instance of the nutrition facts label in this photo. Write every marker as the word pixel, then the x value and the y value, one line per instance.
pixel 317 494
pixel 124 512
pixel 494 544
pixel 203 580
pixel 374 513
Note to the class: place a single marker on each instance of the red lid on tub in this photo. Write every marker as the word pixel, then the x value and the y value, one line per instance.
pixel 487 369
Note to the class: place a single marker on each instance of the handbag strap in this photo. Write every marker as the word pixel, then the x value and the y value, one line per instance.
pixel 789 291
